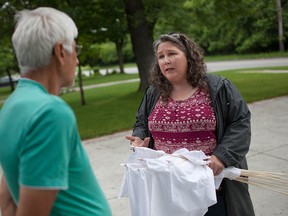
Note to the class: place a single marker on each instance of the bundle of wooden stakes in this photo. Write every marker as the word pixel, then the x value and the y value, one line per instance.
pixel 277 182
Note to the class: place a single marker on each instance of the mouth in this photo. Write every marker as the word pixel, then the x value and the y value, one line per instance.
pixel 169 69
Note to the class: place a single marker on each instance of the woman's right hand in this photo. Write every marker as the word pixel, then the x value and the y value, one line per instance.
pixel 136 141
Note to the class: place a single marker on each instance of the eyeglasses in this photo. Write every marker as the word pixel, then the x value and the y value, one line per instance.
pixel 78 49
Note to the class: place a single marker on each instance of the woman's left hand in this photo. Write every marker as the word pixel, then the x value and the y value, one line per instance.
pixel 216 165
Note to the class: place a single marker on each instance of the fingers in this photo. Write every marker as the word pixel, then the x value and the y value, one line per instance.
pixel 136 141
pixel 216 165
pixel 131 138
pixel 146 142
pixel 216 169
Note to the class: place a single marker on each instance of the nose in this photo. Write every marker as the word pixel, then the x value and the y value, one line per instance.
pixel 167 60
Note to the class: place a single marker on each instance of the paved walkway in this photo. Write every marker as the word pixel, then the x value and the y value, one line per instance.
pixel 268 152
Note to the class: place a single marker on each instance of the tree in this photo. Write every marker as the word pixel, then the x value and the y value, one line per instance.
pixel 115 26
pixel 141 33
pixel 229 26
pixel 8 65
pixel 280 26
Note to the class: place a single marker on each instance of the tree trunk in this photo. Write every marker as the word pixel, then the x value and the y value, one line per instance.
pixel 10 80
pixel 119 48
pixel 83 102
pixel 142 39
pixel 280 26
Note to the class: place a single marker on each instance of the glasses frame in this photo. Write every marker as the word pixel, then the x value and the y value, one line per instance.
pixel 78 49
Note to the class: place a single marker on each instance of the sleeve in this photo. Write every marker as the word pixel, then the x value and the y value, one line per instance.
pixel 147 104
pixel 45 154
pixel 140 128
pixel 235 142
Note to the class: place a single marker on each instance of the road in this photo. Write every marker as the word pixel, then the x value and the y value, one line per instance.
pixel 255 63
pixel 227 65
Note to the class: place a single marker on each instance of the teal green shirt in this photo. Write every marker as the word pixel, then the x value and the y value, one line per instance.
pixel 40 147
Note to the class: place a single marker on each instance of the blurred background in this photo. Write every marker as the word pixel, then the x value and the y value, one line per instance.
pixel 115 33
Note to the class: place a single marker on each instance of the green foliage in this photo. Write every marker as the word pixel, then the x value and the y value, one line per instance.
pixel 99 22
pixel 166 22
pixel 107 52
pixel 245 26
pixel 220 27
pixel 8 62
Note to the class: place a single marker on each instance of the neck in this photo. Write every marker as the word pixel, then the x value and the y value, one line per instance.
pixel 181 86
pixel 46 77
pixel 182 92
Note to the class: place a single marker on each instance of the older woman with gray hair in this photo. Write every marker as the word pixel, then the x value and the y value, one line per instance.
pixel 185 107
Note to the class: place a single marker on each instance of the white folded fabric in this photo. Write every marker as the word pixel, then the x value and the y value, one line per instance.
pixel 229 172
pixel 160 184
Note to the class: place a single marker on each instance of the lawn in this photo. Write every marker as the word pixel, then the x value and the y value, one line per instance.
pixel 112 109
pixel 97 78
pixel 108 109
pixel 255 86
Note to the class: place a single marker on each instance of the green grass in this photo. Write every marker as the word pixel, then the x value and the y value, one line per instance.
pixel 258 86
pixel 112 109
pixel 108 109
pixel 4 93
pixel 97 78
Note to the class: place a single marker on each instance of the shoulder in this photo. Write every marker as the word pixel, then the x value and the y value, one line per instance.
pixel 215 80
pixel 151 90
pixel 219 85
pixel 152 94
pixel 54 110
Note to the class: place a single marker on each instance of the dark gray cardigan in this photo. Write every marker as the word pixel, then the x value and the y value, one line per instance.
pixel 233 136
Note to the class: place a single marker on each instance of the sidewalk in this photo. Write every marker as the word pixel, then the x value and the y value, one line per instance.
pixel 268 152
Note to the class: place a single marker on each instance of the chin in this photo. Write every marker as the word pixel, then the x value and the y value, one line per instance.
pixel 69 84
pixel 72 84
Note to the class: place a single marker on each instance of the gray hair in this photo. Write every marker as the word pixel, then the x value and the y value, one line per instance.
pixel 37 31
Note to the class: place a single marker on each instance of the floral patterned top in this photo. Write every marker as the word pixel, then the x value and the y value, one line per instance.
pixel 189 124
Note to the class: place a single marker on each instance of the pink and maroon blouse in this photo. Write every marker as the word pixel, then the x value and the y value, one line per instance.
pixel 189 124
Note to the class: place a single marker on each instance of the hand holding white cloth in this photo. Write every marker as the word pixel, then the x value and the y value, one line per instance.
pixel 159 184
